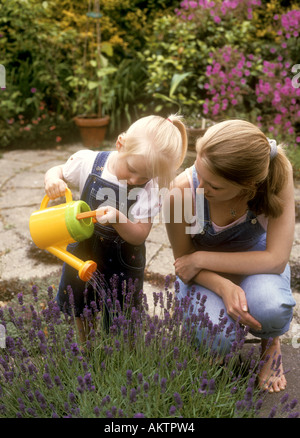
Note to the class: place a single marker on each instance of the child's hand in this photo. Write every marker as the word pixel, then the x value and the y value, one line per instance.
pixel 110 215
pixel 55 188
pixel 107 215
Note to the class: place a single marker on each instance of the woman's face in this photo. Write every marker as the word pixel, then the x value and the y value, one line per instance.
pixel 216 188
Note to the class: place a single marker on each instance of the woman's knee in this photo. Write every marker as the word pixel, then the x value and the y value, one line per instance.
pixel 270 301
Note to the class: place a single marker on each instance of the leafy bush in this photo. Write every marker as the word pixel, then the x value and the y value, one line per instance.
pixel 239 61
pixel 37 61
pixel 43 44
pixel 146 365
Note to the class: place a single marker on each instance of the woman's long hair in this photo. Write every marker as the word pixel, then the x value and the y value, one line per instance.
pixel 239 152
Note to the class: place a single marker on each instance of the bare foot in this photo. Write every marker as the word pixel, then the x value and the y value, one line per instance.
pixel 271 376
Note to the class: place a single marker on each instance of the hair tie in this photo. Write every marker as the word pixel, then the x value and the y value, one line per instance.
pixel 169 120
pixel 273 148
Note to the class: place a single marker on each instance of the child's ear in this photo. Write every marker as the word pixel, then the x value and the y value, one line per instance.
pixel 120 142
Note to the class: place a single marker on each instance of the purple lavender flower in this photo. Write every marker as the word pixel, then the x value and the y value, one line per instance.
pixel 129 377
pixel 58 382
pixel 88 382
pixel 47 380
pixel 178 400
pixel 20 298
pixel 132 395
pixel 34 291
pixel 96 411
pixel 124 391
pixel 105 400
pixel 139 415
pixel 176 352
pixel 172 410
pixel 272 412
pixel 163 385
pixel 212 386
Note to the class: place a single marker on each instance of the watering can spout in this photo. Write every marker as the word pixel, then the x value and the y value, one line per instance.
pixel 53 228
pixel 85 269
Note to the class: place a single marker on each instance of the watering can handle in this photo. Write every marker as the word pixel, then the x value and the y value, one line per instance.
pixel 46 199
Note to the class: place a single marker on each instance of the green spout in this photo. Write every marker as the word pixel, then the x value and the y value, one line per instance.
pixel 78 229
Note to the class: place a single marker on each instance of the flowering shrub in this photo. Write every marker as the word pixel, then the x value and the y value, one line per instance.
pixel 218 10
pixel 249 72
pixel 144 365
pixel 229 84
pixel 278 99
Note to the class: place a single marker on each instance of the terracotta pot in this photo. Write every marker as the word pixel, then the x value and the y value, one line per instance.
pixel 92 129
pixel 193 134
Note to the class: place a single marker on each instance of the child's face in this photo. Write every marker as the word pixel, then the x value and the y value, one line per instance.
pixel 133 169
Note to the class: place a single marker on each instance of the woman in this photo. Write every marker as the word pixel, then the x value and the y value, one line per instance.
pixel 239 259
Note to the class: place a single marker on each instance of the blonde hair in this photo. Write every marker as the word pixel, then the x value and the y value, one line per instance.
pixel 163 143
pixel 239 152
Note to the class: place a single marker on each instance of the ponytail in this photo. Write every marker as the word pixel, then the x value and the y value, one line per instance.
pixel 176 120
pixel 267 199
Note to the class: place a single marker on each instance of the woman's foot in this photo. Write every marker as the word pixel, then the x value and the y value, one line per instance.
pixel 271 376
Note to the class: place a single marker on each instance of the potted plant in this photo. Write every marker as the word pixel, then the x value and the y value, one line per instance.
pixel 86 83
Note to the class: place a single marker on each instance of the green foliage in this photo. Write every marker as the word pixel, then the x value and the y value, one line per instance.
pixel 125 95
pixel 147 365
pixel 237 58
pixel 37 63
pixel 50 47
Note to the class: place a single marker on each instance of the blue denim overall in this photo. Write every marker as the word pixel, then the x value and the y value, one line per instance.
pixel 269 296
pixel 120 264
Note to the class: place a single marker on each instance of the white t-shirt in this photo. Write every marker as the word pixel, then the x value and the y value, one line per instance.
pixel 78 167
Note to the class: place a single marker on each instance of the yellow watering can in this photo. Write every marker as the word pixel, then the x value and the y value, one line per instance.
pixel 53 228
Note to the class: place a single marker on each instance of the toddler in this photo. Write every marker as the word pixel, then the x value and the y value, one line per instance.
pixel 123 186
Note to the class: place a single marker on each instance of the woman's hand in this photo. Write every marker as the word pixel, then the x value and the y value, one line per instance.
pixel 235 302
pixel 186 267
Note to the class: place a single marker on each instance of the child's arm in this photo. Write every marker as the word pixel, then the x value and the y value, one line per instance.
pixel 134 233
pixel 55 186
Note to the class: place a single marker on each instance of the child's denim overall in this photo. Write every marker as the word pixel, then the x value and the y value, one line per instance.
pixel 269 296
pixel 116 259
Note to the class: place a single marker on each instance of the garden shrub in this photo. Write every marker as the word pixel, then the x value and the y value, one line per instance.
pixel 240 62
pixel 147 365
pixel 42 44
pixel 37 61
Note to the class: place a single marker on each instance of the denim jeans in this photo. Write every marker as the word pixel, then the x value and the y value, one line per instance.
pixel 269 298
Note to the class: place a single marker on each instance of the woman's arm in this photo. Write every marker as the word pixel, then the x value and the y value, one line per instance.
pixel 272 260
pixel 176 225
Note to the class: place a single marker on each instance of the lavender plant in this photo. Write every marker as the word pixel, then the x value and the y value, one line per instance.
pixel 145 364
